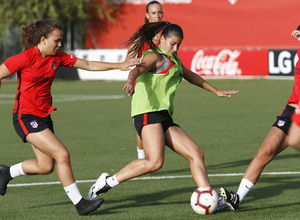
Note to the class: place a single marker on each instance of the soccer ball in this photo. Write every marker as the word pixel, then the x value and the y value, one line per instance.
pixel 204 200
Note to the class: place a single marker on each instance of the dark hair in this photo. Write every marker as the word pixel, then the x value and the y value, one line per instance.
pixel 172 29
pixel 147 9
pixel 32 33
pixel 147 32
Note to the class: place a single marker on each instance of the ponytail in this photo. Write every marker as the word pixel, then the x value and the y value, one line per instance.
pixel 32 33
pixel 145 34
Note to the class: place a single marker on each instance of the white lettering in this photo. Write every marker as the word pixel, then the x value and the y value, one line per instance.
pixel 223 64
pixel 272 68
pixel 284 62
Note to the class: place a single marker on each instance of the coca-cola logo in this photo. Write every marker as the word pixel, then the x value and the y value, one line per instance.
pixel 222 64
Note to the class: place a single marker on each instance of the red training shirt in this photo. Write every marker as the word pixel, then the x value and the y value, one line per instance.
pixel 35 77
pixel 295 96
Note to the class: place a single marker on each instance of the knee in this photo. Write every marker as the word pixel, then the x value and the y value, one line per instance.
pixel 197 155
pixel 47 169
pixel 155 165
pixel 265 154
pixel 63 156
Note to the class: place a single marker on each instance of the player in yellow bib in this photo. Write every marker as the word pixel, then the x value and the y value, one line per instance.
pixel 157 77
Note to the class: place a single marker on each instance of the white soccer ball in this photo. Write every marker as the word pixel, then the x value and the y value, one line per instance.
pixel 204 200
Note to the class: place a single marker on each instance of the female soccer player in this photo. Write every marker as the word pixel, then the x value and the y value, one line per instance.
pixel 156 79
pixel 275 142
pixel 294 133
pixel 36 67
pixel 154 13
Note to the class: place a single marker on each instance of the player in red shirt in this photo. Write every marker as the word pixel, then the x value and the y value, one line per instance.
pixel 294 133
pixel 36 67
pixel 275 142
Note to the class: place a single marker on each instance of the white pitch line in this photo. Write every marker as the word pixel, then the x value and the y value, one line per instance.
pixel 154 178
pixel 65 98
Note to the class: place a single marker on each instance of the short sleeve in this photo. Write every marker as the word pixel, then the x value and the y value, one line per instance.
pixel 66 59
pixel 17 62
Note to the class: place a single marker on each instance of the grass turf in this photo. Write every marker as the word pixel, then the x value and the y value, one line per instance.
pixel 101 138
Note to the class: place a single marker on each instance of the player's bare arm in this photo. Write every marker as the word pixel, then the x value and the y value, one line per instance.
pixel 3 73
pixel 102 66
pixel 197 80
pixel 150 61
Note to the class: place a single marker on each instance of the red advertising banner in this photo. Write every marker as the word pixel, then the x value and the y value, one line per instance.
pixel 208 24
pixel 226 62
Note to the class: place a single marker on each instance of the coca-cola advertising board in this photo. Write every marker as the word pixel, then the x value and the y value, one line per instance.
pixel 226 62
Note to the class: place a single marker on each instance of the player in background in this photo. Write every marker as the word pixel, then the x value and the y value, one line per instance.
pixel 36 67
pixel 156 79
pixel 275 142
pixel 154 13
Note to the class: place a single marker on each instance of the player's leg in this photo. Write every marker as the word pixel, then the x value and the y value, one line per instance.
pixel 183 144
pixel 153 143
pixel 139 148
pixel 274 143
pixel 47 145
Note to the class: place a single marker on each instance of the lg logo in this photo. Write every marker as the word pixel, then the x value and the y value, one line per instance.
pixel 282 62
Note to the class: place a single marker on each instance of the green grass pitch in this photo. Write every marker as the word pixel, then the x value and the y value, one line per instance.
pixel 93 121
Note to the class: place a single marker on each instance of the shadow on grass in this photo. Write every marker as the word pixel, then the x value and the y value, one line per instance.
pixel 247 161
pixel 147 199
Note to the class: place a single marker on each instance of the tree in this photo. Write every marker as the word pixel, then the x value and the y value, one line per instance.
pixel 70 13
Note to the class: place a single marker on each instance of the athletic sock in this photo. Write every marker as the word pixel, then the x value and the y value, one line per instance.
pixel 112 181
pixel 244 188
pixel 141 153
pixel 73 193
pixel 16 170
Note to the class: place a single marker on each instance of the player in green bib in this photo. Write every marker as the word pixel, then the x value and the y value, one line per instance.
pixel 155 90
pixel 153 84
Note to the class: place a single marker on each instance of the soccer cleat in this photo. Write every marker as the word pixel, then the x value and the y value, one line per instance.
pixel 222 204
pixel 231 198
pixel 85 206
pixel 4 178
pixel 99 187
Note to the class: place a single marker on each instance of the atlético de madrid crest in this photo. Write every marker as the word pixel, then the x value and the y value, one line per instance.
pixel 54 65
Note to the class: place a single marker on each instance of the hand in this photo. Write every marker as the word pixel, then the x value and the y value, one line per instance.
pixel 129 87
pixel 128 63
pixel 226 93
pixel 296 34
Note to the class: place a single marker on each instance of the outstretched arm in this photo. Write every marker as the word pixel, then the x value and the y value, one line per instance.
pixel 4 72
pixel 197 80
pixel 102 66
pixel 150 61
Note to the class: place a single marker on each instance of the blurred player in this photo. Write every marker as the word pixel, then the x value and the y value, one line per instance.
pixel 154 13
pixel 156 80
pixel 275 142
pixel 36 67
pixel 294 133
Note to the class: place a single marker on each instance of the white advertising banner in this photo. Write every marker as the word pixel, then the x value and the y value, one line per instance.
pixel 104 55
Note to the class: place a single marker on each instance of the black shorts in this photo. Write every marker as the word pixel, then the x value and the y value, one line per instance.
pixel 30 124
pixel 162 117
pixel 283 121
